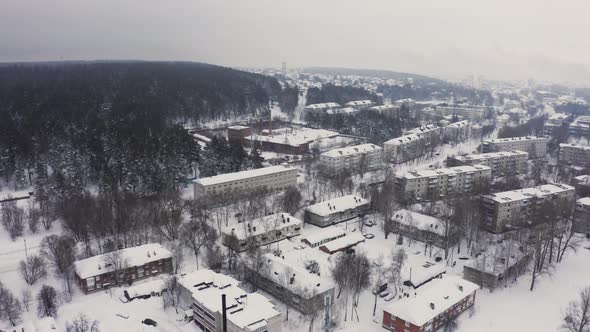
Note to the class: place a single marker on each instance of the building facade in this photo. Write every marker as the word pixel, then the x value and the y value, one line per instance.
pixel 233 185
pixel 502 163
pixel 260 232
pixel 435 184
pixel 438 302
pixel 304 291
pixel 517 208
pixel 336 210
pixel 582 216
pixel 535 146
pixel 322 107
pixel 423 228
pixel 555 122
pixel 580 127
pixel 201 292
pixel 357 157
pixel 472 113
pixel 360 105
pixel 577 155
pixel 413 144
pixel 124 266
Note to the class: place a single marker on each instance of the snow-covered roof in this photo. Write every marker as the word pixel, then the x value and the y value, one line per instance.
pixel 459 124
pixel 247 310
pixel 527 193
pixel 444 171
pixel 320 235
pixel 421 270
pixel 294 137
pixel 383 107
pixel 496 259
pixel 423 129
pixel 434 298
pixel 346 241
pixel 420 221
pixel 134 256
pixel 583 201
pixel 513 139
pixel 359 103
pixel 144 288
pixel 294 278
pixel 323 105
pixel 573 146
pixel 337 205
pixel 230 177
pixel 559 116
pixel 352 150
pixel 491 155
pixel 402 140
pixel 344 110
pixel 238 127
pixel 262 225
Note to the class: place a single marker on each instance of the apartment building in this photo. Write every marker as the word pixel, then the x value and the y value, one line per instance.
pixel 472 113
pixel 387 109
pixel 502 163
pixel 412 144
pixel 554 122
pixel 535 146
pixel 233 185
pixel 516 208
pixel 360 105
pixel 577 155
pixel 438 302
pixel 430 131
pixel 357 157
pixel 322 107
pixel 336 210
pixel 458 131
pixel 291 284
pixel 582 216
pixel 580 127
pixel 201 293
pixel 423 228
pixel 261 231
pixel 124 266
pixel 439 183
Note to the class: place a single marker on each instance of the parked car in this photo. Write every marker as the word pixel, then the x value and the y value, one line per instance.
pixel 383 294
pixel 368 236
pixel 389 297
pixel 149 322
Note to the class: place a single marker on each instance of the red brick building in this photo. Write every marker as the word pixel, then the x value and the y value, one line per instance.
pixel 437 303
pixel 122 267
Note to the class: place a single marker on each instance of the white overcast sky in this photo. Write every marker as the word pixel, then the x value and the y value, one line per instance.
pixel 512 39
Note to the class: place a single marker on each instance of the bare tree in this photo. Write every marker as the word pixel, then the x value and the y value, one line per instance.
pixel 116 262
pixel 26 298
pixel 13 219
pixel 197 233
pixel 33 218
pixel 177 256
pixel 60 251
pixel 172 294
pixel 32 269
pixel 385 203
pixel 540 265
pixel 47 302
pixel 10 307
pixel 576 318
pixel 82 323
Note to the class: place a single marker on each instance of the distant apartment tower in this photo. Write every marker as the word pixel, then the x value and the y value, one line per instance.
pixel 502 163
pixel 200 295
pixel 413 144
pixel 577 155
pixel 582 216
pixel 430 131
pixel 461 130
pixel 535 146
pixel 386 109
pixel 261 231
pixel 322 107
pixel 233 185
pixel 554 122
pixel 472 113
pixel 367 156
pixel 517 208
pixel 580 127
pixel 336 210
pixel 430 185
pixel 360 105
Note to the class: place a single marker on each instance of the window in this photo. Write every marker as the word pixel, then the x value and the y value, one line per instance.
pixel 140 272
pixel 90 283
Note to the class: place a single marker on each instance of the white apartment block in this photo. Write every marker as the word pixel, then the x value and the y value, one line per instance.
pixel 535 146
pixel 322 107
pixel 442 182
pixel 387 109
pixel 458 131
pixel 428 132
pixel 472 113
pixel 261 231
pixel 502 163
pixel 577 155
pixel 582 216
pixel 580 126
pixel 516 208
pixel 555 121
pixel 369 156
pixel 232 185
pixel 360 105
pixel 408 102
pixel 201 292
pixel 412 144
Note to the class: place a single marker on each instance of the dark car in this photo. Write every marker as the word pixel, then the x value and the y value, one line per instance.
pixel 149 322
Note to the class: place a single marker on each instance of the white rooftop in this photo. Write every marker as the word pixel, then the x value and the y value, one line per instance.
pixel 584 201
pixel 497 258
pixel 247 310
pixel 352 150
pixel 492 155
pixel 420 221
pixel 348 240
pixel 442 293
pixel 324 233
pixel 323 105
pixel 359 103
pixel 402 140
pixel 262 225
pixel 238 127
pixel 512 139
pixel 230 177
pixel 134 256
pixel 422 129
pixel 573 146
pixel 295 137
pixel 444 171
pixel 337 205
pixel 459 124
pixel 527 193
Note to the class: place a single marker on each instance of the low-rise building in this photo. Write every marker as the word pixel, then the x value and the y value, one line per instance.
pixel 360 105
pixel 472 113
pixel 582 185
pixel 582 216
pixel 502 163
pixel 535 146
pixel 124 266
pixel 357 157
pixel 577 155
pixel 234 185
pixel 336 210
pixel 437 303
pixel 496 265
pixel 423 228
pixel 442 182
pixel 580 127
pixel 516 208
pixel 201 294
pixel 341 244
pixel 298 288
pixel 322 107
pixel 238 133
pixel 260 232
pixel 322 236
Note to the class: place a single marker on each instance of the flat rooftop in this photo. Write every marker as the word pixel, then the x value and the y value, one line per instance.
pixel 262 225
pixel 230 177
pixel 515 139
pixel 352 150
pixel 444 171
pixel 337 205
pixel 528 193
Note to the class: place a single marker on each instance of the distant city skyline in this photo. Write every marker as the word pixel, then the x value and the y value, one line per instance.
pixel 502 39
